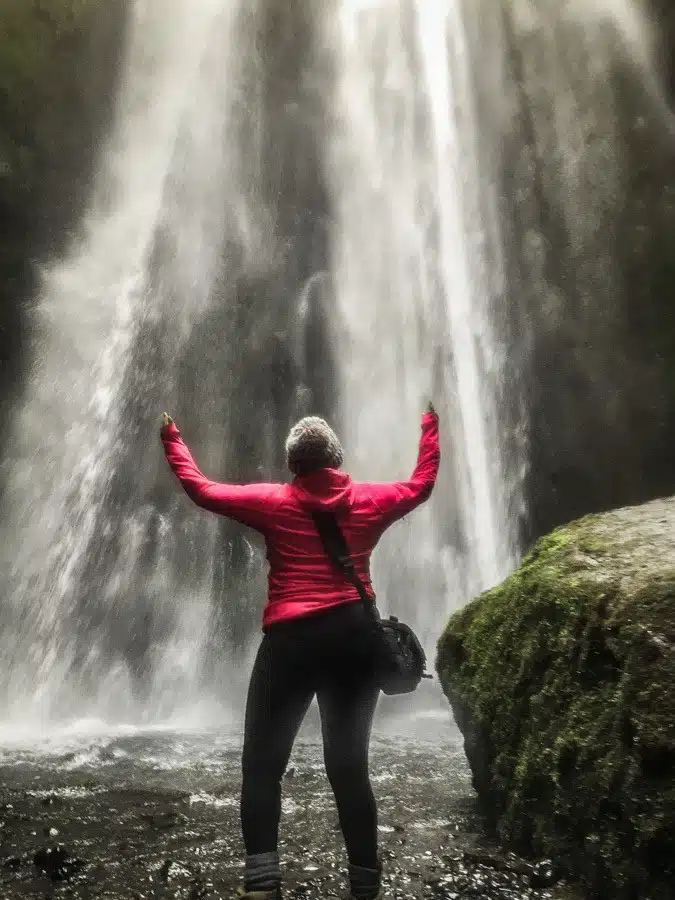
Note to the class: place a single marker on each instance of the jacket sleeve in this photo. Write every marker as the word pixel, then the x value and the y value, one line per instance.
pixel 399 498
pixel 250 504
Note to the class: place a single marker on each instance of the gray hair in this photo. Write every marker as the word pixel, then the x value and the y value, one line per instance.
pixel 312 444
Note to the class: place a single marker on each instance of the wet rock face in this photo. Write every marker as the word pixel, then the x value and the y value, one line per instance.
pixel 561 680
pixel 588 220
pixel 58 65
pixel 663 19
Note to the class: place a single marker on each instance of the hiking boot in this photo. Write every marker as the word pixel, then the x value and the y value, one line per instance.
pixel 274 894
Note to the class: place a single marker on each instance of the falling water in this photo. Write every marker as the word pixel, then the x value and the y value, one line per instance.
pixel 180 210
pixel 148 253
pixel 205 280
pixel 419 275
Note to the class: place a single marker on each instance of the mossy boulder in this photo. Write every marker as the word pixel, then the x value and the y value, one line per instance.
pixel 562 680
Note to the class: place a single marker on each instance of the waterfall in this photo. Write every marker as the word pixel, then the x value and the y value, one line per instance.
pixel 419 281
pixel 136 279
pixel 180 292
pixel 299 208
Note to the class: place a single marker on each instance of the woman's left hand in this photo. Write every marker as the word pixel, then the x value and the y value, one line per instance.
pixel 166 420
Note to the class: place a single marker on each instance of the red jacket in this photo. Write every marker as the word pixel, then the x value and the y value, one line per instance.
pixel 302 579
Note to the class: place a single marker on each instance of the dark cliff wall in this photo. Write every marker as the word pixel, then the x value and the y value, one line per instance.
pixel 589 217
pixel 663 17
pixel 58 64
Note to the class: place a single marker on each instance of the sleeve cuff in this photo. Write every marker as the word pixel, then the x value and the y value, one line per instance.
pixel 170 430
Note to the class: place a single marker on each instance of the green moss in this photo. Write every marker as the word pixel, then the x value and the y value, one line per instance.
pixel 561 679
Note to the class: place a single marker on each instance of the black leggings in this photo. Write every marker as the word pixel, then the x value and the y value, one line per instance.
pixel 329 655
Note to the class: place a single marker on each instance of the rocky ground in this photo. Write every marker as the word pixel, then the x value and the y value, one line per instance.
pixel 154 815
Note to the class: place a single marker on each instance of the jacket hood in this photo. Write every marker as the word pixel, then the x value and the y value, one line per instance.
pixel 326 489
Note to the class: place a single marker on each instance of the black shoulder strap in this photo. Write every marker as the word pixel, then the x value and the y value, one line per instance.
pixel 335 545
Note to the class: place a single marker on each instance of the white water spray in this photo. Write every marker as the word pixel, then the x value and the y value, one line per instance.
pixel 165 167
pixel 417 274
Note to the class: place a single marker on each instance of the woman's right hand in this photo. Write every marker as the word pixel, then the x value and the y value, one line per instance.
pixel 431 409
pixel 166 421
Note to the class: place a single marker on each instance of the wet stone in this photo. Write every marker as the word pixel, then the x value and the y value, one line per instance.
pixel 165 869
pixel 544 874
pixel 504 863
pixel 57 863
pixel 166 818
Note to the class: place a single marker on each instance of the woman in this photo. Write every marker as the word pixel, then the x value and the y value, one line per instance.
pixel 316 638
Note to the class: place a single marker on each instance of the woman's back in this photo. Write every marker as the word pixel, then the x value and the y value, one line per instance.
pixel 301 577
